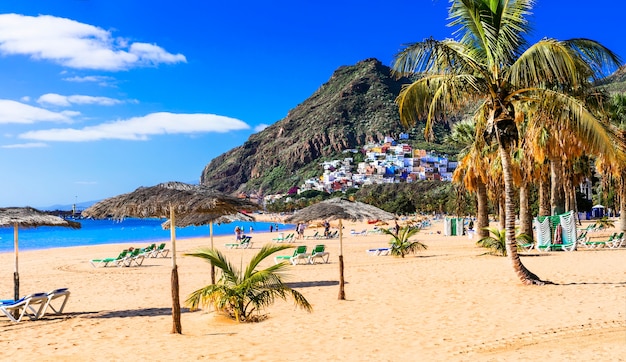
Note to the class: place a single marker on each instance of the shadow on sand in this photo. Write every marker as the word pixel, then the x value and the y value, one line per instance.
pixel 146 312
pixel 321 283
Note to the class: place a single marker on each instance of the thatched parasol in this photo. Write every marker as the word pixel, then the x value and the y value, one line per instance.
pixel 340 209
pixel 28 217
pixel 170 200
pixel 210 219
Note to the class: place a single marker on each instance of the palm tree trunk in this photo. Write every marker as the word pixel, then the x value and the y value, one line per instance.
pixel 502 211
pixel 525 219
pixel 557 197
pixel 622 203
pixel 482 209
pixel 544 194
pixel 522 273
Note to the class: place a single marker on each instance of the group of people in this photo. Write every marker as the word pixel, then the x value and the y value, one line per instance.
pixel 300 230
pixel 239 232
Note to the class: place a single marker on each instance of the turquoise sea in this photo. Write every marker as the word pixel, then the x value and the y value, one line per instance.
pixel 130 230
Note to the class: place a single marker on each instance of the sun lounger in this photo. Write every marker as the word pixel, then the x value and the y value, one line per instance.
pixel 314 236
pixel 601 243
pixel 245 243
pixel 319 252
pixel 617 241
pixel 56 294
pixel 379 251
pixel 135 258
pixel 119 261
pixel 161 251
pixel 299 255
pixel 24 306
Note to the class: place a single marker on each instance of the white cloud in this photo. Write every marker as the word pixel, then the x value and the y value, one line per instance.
pixel 26 145
pixel 66 101
pixel 76 45
pixel 260 127
pixel 102 80
pixel 141 128
pixel 16 112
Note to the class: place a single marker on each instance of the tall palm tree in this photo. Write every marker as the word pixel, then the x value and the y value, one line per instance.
pixel 242 292
pixel 471 168
pixel 493 63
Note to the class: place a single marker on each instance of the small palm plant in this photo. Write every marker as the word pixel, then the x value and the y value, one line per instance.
pixel 496 240
pixel 604 223
pixel 240 293
pixel 400 244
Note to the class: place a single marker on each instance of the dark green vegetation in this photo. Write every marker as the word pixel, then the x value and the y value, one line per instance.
pixel 538 107
pixel 400 244
pixel 240 293
pixel 355 107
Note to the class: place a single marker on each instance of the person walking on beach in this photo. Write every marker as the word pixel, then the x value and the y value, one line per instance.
pixel 271 228
pixel 326 228
pixel 300 230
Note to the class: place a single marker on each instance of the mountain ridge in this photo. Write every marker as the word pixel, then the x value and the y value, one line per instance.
pixel 355 106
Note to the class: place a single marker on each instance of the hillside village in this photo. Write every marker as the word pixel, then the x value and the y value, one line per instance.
pixel 386 162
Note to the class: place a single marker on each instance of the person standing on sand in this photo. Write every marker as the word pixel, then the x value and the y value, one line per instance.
pixel 271 228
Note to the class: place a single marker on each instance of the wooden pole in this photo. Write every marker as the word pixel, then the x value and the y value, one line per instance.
pixel 212 266
pixel 342 293
pixel 16 273
pixel 176 326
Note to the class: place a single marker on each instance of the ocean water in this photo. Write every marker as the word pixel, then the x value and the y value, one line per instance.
pixel 95 232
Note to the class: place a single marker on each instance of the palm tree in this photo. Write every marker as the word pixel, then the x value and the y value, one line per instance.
pixel 471 168
pixel 240 293
pixel 492 63
pixel 496 240
pixel 400 244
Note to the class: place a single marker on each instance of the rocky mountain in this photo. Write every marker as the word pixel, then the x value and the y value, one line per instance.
pixel 616 82
pixel 354 107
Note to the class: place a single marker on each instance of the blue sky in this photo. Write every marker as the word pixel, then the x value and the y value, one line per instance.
pixel 100 97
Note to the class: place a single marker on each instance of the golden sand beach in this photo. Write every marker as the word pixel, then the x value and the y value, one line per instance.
pixel 448 303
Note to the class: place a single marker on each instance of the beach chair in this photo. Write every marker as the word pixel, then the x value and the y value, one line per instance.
pixel 319 252
pixel 299 255
pixel 281 238
pixel 617 242
pixel 378 251
pixel 106 261
pixel 601 243
pixel 24 306
pixel 161 251
pixel 333 235
pixel 135 258
pixel 56 294
pixel 314 236
pixel 149 250
pixel 245 243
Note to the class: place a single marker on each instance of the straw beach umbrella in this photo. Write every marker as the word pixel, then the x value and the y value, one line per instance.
pixel 208 219
pixel 28 217
pixel 340 209
pixel 170 200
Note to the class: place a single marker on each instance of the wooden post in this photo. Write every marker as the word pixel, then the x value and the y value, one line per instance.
pixel 176 326
pixel 342 293
pixel 16 273
pixel 212 266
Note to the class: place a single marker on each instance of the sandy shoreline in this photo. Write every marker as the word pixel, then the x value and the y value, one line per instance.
pixel 450 302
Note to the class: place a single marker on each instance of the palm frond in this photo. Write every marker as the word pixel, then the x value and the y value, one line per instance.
pixel 266 250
